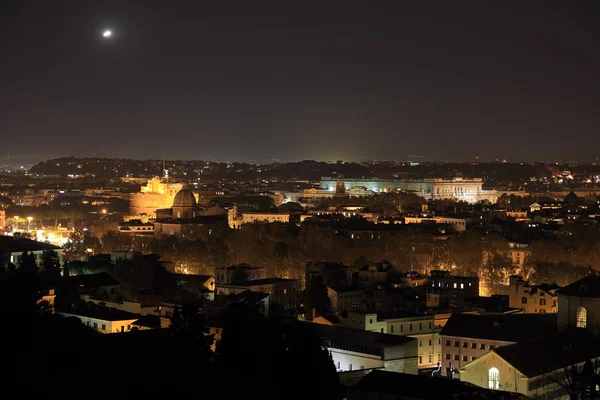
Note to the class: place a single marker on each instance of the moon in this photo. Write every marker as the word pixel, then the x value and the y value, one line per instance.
pixel 107 34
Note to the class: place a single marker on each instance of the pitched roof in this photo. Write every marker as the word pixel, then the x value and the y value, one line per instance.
pixel 94 280
pixel 585 287
pixel 14 245
pixel 149 321
pixel 95 311
pixel 533 357
pixel 505 327
pixel 249 297
pixel 424 387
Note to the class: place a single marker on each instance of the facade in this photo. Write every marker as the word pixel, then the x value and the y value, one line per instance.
pixel 99 318
pixel 248 218
pixel 467 337
pixel 157 194
pixel 536 368
pixel 422 328
pixel 469 190
pixel 347 298
pixel 13 248
pixel 531 298
pixel 2 220
pixel 241 272
pixel 466 286
pixel 579 305
pixel 375 273
pixel 353 349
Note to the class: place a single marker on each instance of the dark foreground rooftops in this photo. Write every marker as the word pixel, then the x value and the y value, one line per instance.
pixel 260 282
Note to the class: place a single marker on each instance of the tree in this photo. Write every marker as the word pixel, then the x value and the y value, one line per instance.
pixel 56 215
pixel 316 297
pixel 188 325
pixel 50 266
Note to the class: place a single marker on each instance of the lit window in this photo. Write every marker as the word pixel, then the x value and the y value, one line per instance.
pixel 462 285
pixel 581 317
pixel 494 378
pixel 455 286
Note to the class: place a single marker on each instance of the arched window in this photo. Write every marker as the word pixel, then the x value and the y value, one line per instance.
pixel 494 378
pixel 581 317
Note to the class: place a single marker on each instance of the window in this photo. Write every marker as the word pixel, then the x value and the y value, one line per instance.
pixel 447 356
pixel 391 328
pixel 581 317
pixel 430 325
pixel 482 347
pixel 362 367
pixel 430 342
pixel 430 358
pixel 523 300
pixel 439 341
pixel 456 343
pixel 456 357
pixel 465 345
pixel 494 378
pixel 473 345
pixel 370 321
pixel 542 302
pixel 439 357
pixel 103 327
pixel 95 325
pixel 448 343
pixel 410 327
pixel 420 326
pixel 420 343
pixel 473 358
pixel 349 367
pixel 401 328
pixel 492 347
pixel 462 285
pixel 455 286
pixel 420 359
pixel 465 358
pixel 382 330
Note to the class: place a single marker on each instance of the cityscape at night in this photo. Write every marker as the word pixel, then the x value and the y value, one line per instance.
pixel 288 200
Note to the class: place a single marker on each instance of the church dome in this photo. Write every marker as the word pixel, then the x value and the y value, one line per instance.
pixel 216 210
pixel 185 197
pixel 571 199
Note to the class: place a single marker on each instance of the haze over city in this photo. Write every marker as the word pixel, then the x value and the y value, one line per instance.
pixel 273 80
pixel 334 200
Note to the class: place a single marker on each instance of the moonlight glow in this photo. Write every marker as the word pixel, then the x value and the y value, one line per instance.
pixel 107 33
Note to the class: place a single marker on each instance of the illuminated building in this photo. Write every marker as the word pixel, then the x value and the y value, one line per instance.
pixel 469 190
pixel 538 368
pixel 532 298
pixel 424 328
pixel 2 220
pixel 579 304
pixel 467 337
pixel 157 194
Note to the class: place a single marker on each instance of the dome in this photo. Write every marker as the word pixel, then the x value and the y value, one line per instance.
pixel 185 197
pixel 216 210
pixel 571 199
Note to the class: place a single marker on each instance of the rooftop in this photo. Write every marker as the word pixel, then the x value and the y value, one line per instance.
pixel 502 327
pixel 532 357
pixel 94 280
pixel 14 245
pixel 92 310
pixel 585 287
pixel 424 387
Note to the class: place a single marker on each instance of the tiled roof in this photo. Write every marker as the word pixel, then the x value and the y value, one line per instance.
pixel 506 327
pixel 551 353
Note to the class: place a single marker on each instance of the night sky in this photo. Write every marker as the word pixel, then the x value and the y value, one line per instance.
pixel 291 80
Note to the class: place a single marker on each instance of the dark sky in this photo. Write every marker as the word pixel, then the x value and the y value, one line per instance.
pixel 252 80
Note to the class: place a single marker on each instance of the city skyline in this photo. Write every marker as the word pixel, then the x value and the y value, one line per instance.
pixel 279 81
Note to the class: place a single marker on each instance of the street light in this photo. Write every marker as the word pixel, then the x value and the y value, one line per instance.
pixel 29 223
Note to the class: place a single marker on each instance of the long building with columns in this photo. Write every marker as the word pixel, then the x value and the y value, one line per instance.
pixel 469 190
